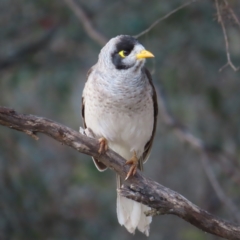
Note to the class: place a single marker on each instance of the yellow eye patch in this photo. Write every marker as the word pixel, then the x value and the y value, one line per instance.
pixel 123 53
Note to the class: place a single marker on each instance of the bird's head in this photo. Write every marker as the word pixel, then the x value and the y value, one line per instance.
pixel 124 52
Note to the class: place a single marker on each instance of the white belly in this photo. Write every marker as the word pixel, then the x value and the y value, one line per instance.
pixel 125 131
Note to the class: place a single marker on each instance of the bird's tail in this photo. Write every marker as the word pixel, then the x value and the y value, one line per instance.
pixel 131 213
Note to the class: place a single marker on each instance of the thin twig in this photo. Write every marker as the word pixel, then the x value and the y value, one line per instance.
pixel 232 13
pixel 217 188
pixel 164 17
pixel 87 24
pixel 229 61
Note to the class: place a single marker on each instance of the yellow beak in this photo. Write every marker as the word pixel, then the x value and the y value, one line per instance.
pixel 144 54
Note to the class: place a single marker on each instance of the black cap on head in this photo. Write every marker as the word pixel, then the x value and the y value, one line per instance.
pixel 126 43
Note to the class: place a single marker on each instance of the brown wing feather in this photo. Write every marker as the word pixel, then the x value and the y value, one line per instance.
pixel 148 146
pixel 100 166
pixel 83 103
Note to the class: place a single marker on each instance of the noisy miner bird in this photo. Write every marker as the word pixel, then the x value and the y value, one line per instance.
pixel 119 107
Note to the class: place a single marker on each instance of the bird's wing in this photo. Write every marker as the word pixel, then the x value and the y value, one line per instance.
pixel 83 101
pixel 100 166
pixel 148 146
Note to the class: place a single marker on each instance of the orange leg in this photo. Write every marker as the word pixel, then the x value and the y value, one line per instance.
pixel 103 145
pixel 133 161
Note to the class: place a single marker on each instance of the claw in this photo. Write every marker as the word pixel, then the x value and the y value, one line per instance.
pixel 133 169
pixel 103 145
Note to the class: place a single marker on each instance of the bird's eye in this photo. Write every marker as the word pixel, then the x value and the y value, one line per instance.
pixel 124 53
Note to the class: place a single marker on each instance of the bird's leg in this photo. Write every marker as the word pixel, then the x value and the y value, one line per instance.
pixel 103 145
pixel 133 161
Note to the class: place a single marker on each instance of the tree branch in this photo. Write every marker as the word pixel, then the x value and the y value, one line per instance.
pixel 138 188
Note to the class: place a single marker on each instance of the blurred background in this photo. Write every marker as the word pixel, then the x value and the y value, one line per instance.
pixel 49 191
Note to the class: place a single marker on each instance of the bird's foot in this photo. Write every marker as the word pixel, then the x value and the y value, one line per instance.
pixel 133 161
pixel 103 145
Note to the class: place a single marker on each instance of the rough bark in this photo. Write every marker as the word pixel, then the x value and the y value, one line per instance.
pixel 139 188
